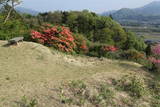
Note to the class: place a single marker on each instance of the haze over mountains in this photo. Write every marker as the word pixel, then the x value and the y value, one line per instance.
pixel 26 10
pixel 148 14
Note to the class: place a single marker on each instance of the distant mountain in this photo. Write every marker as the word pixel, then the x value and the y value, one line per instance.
pixel 28 11
pixel 148 14
pixel 151 9
pixel 109 12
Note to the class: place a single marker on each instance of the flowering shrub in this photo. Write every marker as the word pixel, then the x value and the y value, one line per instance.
pixel 109 48
pixel 58 36
pixel 83 46
pixel 80 43
pixel 155 58
pixel 156 50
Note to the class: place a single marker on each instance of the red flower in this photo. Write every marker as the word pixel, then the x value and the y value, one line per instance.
pixel 109 48
pixel 61 39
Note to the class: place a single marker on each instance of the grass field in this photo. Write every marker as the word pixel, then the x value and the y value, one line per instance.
pixel 35 71
pixel 149 33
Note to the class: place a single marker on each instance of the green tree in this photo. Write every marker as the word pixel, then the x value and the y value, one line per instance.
pixel 134 42
pixel 104 36
pixel 10 5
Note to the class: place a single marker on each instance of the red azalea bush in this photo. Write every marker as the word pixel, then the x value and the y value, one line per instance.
pixel 109 51
pixel 109 48
pixel 81 45
pixel 58 36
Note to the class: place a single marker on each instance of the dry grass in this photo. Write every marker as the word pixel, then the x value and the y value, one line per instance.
pixel 32 70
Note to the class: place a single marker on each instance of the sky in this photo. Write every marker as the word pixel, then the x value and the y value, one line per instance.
pixel 92 5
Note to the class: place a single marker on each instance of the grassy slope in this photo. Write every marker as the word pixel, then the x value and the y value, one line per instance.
pixel 33 70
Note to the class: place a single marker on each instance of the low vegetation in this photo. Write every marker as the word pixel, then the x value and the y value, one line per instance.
pixel 130 91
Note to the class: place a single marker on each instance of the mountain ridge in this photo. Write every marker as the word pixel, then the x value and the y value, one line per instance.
pixel 26 10
pixel 146 15
pixel 149 9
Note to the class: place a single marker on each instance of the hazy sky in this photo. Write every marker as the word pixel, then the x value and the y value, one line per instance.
pixel 93 5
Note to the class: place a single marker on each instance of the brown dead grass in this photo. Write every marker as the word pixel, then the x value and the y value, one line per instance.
pixel 33 70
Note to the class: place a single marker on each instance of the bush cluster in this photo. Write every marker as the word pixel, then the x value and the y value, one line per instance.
pixel 154 58
pixel 57 36
pixel 82 32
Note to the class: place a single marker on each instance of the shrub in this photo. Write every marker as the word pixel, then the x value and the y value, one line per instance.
pixel 109 48
pixel 106 94
pixel 81 44
pixel 77 84
pixel 155 87
pixel 79 93
pixel 94 50
pixel 11 29
pixel 133 84
pixel 25 102
pixel 156 50
pixel 134 42
pixel 102 50
pixel 155 57
pixel 133 54
pixel 58 36
pixel 155 64
pixel 78 89
pixel 114 55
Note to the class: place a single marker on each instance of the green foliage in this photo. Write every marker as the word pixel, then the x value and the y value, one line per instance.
pixel 94 50
pixel 99 30
pixel 130 90
pixel 105 94
pixel 92 32
pixel 95 28
pixel 14 25
pixel 12 28
pixel 135 42
pixel 81 44
pixel 78 88
pixel 148 50
pixel 154 86
pixel 133 84
pixel 155 103
pixel 104 36
pixel 52 17
pixel 77 84
pixel 25 102
pixel 79 93
pixel 133 55
pixel 114 55
pixel 104 97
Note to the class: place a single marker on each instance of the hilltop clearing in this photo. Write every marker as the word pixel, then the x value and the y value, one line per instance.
pixel 35 71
